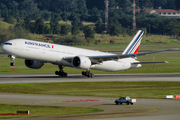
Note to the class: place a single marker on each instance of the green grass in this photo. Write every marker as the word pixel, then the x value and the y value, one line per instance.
pixel 126 39
pixel 101 89
pixel 5 25
pixel 172 67
pixel 69 22
pixel 42 110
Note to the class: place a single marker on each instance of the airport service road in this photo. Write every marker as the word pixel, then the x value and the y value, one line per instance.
pixel 144 109
pixel 80 78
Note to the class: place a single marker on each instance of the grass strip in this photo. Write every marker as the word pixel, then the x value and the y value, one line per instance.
pixel 42 110
pixel 155 90
pixel 172 67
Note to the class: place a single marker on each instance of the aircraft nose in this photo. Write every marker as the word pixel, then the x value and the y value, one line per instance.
pixel 2 47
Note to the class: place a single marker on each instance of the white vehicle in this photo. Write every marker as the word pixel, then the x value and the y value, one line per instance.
pixel 37 53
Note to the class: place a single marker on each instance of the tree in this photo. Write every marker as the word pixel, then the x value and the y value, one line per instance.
pixel 10 20
pixel 85 10
pixel 64 30
pixel 95 3
pixel 39 26
pixel 99 26
pixel 143 11
pixel 29 5
pixel 75 27
pixel 173 28
pixel 65 16
pixel 124 4
pixel 144 3
pixel 114 28
pixel 27 22
pixel 46 15
pixel 4 10
pixel 88 32
pixel 177 3
pixel 55 26
pixel 160 3
pixel 95 14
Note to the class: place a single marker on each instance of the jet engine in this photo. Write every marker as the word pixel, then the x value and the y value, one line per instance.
pixel 81 62
pixel 33 64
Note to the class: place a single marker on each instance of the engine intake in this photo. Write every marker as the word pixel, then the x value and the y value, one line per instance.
pixel 81 62
pixel 33 64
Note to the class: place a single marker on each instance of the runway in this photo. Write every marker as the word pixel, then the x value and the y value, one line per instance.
pixel 3 54
pixel 144 109
pixel 79 78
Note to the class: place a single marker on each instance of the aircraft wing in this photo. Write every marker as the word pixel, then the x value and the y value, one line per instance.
pixel 100 59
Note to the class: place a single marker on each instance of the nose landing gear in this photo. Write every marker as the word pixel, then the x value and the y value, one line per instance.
pixel 12 64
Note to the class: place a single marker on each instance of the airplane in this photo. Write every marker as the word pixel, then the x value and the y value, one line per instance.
pixel 37 53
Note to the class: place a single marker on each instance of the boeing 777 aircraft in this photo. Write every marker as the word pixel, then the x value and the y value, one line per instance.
pixel 37 53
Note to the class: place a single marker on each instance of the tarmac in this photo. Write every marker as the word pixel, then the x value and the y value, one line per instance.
pixel 144 109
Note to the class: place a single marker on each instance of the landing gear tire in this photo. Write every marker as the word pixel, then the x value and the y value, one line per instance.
pixel 56 73
pixel 88 74
pixel 61 72
pixel 65 74
pixel 91 75
pixel 12 64
pixel 83 73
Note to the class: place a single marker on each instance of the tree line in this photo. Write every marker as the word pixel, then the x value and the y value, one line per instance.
pixel 23 12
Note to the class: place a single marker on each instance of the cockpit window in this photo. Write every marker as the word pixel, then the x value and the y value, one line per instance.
pixel 8 43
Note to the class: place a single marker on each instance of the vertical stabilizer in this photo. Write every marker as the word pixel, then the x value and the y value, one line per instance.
pixel 134 45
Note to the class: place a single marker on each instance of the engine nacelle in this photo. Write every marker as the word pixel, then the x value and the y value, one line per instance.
pixel 81 62
pixel 33 64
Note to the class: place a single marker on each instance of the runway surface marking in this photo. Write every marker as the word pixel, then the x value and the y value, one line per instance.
pixel 81 100
pixel 88 100
pixel 75 101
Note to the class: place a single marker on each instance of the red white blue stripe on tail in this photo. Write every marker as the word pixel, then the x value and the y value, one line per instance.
pixel 134 45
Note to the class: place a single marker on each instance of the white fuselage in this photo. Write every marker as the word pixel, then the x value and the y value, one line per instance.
pixel 53 53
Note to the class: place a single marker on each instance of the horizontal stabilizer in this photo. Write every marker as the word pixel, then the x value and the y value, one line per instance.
pixel 150 62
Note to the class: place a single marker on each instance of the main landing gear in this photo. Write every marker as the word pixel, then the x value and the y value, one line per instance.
pixel 61 72
pixel 88 74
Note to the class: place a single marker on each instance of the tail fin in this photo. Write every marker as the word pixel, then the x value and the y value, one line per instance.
pixel 134 45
